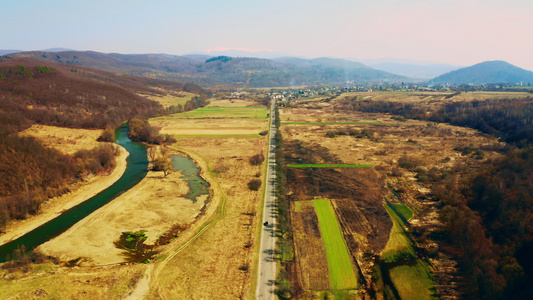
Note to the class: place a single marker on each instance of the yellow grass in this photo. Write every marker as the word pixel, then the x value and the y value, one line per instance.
pixel 66 140
pixel 155 205
pixel 169 100
pixel 50 281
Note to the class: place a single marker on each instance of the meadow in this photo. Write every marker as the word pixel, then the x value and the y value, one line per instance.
pixel 341 270
pixel 215 121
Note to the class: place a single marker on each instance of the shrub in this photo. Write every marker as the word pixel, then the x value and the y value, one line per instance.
pixel 107 136
pixel 257 159
pixel 254 184
pixel 263 133
pixel 331 134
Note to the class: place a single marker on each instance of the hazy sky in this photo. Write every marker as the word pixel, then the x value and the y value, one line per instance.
pixel 461 32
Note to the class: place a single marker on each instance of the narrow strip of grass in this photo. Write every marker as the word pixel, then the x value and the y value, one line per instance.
pixel 329 166
pixel 341 270
pixel 411 276
pixel 403 210
pixel 339 123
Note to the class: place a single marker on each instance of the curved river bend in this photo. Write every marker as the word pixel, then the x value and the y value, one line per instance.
pixel 136 170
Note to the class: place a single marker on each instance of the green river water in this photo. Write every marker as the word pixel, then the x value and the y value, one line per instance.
pixel 136 170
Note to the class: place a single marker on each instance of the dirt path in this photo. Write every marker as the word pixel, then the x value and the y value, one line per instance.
pixel 54 207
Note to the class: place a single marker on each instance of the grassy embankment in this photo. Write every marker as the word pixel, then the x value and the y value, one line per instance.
pixel 411 276
pixel 341 270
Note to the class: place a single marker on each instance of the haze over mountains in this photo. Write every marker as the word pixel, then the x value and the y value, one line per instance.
pixel 487 72
pixel 247 71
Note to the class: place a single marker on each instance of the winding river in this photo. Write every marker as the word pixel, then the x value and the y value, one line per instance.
pixel 136 170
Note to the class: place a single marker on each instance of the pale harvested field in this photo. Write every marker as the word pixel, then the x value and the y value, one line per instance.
pixel 229 103
pixel 218 131
pixel 155 205
pixel 439 96
pixel 209 267
pixel 66 140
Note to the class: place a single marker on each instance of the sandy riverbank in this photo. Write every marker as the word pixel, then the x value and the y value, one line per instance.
pixel 54 207
pixel 155 205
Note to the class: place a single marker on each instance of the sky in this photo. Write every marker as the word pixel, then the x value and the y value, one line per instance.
pixel 458 32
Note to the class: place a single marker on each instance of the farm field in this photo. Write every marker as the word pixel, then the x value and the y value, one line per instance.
pixel 341 270
pixel 220 261
pixel 214 257
pixel 174 99
pixel 213 121
pixel 402 157
pixel 411 276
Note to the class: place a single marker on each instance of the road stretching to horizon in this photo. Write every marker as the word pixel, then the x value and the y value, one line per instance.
pixel 267 262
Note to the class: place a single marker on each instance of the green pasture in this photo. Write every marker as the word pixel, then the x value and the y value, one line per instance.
pixel 403 211
pixel 251 112
pixel 411 276
pixel 328 166
pixel 341 270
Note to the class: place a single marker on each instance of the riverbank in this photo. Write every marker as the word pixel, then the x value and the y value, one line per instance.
pixel 52 208
pixel 155 205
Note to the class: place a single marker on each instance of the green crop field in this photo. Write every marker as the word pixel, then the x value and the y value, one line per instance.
pixel 412 278
pixel 251 112
pixel 403 211
pixel 329 166
pixel 341 270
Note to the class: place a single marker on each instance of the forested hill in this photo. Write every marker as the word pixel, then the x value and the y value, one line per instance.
pixel 34 91
pixel 486 72
pixel 234 71
pixel 37 91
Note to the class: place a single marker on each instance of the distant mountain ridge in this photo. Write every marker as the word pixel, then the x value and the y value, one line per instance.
pixel 238 71
pixel 486 72
pixel 415 71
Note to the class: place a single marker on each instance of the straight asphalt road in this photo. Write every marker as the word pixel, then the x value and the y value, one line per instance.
pixel 267 262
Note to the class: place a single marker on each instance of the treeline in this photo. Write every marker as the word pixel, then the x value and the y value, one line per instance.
pixel 488 226
pixel 194 103
pixel 141 131
pixel 487 214
pixel 33 173
pixel 509 119
pixel 284 289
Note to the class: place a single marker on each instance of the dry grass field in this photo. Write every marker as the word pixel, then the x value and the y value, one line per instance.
pixel 228 118
pixel 213 258
pixel 156 204
pixel 66 140
pixel 387 144
pixel 170 99
pixel 52 281
pixel 219 263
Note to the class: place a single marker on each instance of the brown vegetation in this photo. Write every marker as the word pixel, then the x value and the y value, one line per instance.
pixel 415 153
